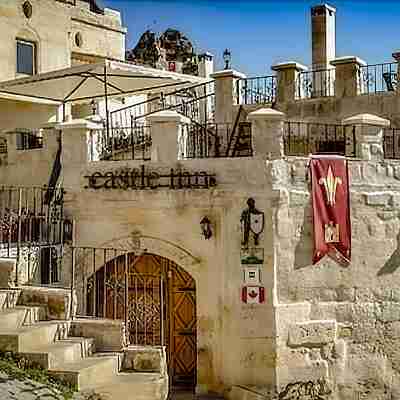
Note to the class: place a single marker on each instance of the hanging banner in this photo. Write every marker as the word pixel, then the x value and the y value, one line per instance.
pixel 331 208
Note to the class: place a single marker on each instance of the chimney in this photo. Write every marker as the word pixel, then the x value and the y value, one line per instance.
pixel 323 21
pixel 206 65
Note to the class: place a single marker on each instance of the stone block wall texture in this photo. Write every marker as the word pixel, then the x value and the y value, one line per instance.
pixel 54 303
pixel 339 324
pixel 108 334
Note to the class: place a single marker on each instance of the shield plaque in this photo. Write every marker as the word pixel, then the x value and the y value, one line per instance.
pixel 257 222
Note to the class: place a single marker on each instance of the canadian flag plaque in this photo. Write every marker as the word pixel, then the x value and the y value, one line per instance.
pixel 253 294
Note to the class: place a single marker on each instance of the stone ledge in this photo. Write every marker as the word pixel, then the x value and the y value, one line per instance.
pixel 366 119
pixel 289 65
pixel 312 333
pixel 227 73
pixel 348 60
pixel 267 114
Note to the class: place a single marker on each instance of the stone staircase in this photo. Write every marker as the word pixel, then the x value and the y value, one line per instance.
pixel 73 359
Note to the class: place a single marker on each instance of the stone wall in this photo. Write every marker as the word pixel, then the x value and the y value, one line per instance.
pixel 323 330
pixel 339 324
pixel 53 27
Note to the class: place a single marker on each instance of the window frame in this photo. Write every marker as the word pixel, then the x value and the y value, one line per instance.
pixel 34 55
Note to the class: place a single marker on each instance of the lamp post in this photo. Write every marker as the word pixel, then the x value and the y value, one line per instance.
pixel 227 58
pixel 94 107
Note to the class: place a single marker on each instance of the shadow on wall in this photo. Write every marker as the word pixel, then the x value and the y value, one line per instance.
pixel 304 247
pixel 394 261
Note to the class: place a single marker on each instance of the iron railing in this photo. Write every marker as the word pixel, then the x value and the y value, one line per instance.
pixel 203 141
pixel 313 84
pixel 215 140
pixel 257 90
pixel 107 286
pixel 195 102
pixel 3 146
pixel 391 143
pixel 31 220
pixel 29 139
pixel 120 143
pixel 377 78
pixel 304 138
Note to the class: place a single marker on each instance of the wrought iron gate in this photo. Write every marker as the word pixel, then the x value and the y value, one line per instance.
pixel 155 297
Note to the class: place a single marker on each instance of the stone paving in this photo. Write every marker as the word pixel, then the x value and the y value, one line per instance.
pixel 12 389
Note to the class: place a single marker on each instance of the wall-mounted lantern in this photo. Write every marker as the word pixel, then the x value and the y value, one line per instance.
pixel 227 58
pixel 206 231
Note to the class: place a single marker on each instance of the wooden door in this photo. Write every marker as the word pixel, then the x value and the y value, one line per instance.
pixel 148 309
pixel 182 343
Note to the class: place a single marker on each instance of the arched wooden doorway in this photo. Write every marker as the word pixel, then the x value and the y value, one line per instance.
pixel 159 305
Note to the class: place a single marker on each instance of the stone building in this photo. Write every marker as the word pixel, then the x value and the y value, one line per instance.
pixel 140 247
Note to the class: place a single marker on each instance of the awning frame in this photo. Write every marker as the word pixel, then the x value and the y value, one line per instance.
pixel 102 77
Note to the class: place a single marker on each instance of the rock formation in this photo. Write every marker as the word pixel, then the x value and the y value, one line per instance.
pixel 171 51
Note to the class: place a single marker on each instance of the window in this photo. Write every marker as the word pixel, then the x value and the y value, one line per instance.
pixel 26 57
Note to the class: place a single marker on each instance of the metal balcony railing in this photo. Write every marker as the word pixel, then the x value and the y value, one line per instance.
pixel 29 139
pixel 313 84
pixel 378 78
pixel 257 90
pixel 120 143
pixel 391 143
pixel 304 138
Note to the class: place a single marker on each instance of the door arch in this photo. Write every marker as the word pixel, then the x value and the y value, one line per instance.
pixel 157 298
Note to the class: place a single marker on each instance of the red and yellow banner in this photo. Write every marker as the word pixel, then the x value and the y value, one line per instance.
pixel 331 208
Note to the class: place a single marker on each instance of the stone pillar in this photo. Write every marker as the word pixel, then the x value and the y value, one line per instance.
pixel 396 56
pixel 348 80
pixel 368 135
pixel 51 137
pixel 167 135
pixel 75 149
pixel 225 94
pixel 287 78
pixel 267 133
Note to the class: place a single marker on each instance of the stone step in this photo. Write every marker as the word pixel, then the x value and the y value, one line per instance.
pixel 61 352
pixel 27 337
pixel 89 372
pixel 8 298
pixel 18 316
pixel 135 386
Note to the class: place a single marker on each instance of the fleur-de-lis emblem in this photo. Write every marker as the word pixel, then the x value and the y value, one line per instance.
pixel 330 183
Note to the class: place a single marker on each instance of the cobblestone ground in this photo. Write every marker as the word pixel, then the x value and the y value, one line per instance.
pixel 12 389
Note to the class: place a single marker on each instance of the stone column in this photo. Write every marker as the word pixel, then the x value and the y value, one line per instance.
pixel 51 137
pixel 75 149
pixel 267 133
pixel 348 79
pixel 396 56
pixel 167 136
pixel 287 78
pixel 368 135
pixel 225 94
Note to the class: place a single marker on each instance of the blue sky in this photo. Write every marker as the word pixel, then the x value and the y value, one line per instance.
pixel 260 33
